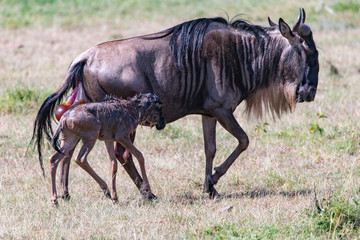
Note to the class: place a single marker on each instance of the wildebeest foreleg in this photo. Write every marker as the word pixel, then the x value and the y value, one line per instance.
pixel 228 121
pixel 209 130
pixel 81 160
pixel 113 164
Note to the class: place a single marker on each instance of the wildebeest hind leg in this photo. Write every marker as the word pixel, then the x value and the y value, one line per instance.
pixel 209 130
pixel 228 121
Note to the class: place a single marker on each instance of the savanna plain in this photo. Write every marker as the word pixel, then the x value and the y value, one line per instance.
pixel 299 178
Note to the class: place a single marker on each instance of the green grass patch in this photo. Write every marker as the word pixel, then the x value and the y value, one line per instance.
pixel 236 231
pixel 87 13
pixel 21 100
pixel 349 5
pixel 344 139
pixel 337 216
pixel 221 231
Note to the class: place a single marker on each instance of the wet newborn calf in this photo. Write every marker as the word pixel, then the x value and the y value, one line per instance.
pixel 111 120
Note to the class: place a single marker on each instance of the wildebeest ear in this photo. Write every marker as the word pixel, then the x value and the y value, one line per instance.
pixel 271 23
pixel 285 30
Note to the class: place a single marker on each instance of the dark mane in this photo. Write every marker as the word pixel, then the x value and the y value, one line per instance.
pixel 191 35
pixel 187 38
pixel 256 30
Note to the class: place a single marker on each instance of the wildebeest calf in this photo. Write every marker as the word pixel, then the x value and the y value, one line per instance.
pixel 111 120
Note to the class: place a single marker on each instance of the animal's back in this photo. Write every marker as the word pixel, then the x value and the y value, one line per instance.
pixel 103 120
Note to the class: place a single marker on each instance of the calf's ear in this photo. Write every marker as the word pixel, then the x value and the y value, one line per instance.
pixel 285 30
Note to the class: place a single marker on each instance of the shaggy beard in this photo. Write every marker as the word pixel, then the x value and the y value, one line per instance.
pixel 274 100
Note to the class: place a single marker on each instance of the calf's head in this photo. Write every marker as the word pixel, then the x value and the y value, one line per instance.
pixel 151 111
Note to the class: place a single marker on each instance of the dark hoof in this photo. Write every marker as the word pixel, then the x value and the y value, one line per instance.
pixel 107 193
pixel 151 197
pixel 115 201
pixel 55 202
pixel 66 196
pixel 214 194
pixel 209 185
pixel 147 196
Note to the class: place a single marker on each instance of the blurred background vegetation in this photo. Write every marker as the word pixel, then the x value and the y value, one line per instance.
pixel 82 13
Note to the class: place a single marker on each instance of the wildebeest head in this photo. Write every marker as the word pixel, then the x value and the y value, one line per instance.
pixel 151 110
pixel 300 58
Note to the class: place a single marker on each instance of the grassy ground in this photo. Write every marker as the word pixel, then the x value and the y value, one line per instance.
pixel 271 186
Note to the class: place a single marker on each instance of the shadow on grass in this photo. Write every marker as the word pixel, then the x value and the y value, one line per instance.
pixel 263 192
pixel 190 199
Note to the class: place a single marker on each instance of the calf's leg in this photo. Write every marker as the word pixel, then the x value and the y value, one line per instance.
pixel 64 176
pixel 54 161
pixel 67 149
pixel 113 164
pixel 81 160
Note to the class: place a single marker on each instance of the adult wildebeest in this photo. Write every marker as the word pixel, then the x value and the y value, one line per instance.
pixel 111 120
pixel 206 66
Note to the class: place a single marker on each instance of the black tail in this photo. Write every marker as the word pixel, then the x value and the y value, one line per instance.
pixel 55 140
pixel 42 124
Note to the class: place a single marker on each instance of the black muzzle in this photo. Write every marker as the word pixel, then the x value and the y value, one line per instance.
pixel 306 93
pixel 161 125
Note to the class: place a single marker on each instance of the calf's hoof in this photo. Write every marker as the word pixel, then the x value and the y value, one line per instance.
pixel 55 202
pixel 107 193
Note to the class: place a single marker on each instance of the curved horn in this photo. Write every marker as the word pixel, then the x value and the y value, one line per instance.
pixel 303 16
pixel 298 21
pixel 271 23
